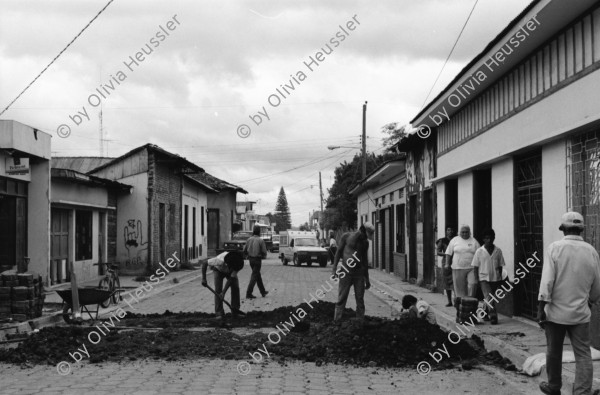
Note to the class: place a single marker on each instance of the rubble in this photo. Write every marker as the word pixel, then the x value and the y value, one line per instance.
pixel 377 342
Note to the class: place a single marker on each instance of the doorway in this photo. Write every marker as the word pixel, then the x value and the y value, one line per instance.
pixel 213 229
pixel 482 202
pixel 412 238
pixel 529 233
pixel 428 238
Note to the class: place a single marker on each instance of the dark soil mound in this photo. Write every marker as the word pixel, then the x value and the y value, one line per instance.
pixel 315 338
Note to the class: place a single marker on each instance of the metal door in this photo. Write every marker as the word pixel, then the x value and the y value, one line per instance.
pixel 529 230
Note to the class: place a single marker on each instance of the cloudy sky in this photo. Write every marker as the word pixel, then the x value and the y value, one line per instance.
pixel 221 63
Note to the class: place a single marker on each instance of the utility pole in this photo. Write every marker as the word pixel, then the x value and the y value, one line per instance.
pixel 364 141
pixel 321 214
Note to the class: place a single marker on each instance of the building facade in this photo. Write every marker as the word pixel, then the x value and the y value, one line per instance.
pixel 518 139
pixel 24 197
pixel 381 200
pixel 83 224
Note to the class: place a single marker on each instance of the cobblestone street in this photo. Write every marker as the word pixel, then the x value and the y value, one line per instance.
pixel 287 285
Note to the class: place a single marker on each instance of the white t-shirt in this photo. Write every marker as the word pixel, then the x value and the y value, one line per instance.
pixel 462 252
pixel 424 312
pixel 488 264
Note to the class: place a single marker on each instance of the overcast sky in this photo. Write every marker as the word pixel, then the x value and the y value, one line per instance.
pixel 220 64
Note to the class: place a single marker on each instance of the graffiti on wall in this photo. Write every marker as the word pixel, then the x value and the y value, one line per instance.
pixel 134 243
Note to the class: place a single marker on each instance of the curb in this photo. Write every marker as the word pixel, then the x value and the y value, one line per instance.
pixel 56 317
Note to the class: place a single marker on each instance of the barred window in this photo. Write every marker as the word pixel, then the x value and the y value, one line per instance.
pixel 583 182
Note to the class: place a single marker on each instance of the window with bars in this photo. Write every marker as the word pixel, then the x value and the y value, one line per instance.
pixel 583 182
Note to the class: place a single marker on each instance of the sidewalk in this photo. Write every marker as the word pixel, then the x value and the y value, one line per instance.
pixel 53 317
pixel 515 338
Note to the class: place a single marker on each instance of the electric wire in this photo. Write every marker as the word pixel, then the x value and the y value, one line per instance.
pixel 450 54
pixel 57 56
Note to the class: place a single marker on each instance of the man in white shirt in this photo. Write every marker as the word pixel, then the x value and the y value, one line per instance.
pixel 487 263
pixel 570 281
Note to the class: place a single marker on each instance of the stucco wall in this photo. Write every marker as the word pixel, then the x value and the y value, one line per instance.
pixel 194 196
pixel 225 202
pixel 554 189
pixel 570 108
pixel 465 200
pixel 132 224
pixel 38 219
pixel 503 211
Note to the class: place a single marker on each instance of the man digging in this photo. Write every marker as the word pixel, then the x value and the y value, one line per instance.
pixel 225 266
pixel 353 250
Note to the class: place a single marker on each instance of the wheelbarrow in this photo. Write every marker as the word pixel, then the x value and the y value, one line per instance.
pixel 87 297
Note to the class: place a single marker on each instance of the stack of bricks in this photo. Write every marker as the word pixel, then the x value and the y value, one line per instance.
pixel 21 296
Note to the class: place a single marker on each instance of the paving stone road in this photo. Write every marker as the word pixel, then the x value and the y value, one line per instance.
pixel 287 285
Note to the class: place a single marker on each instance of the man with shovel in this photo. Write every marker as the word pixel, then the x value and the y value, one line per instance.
pixel 225 266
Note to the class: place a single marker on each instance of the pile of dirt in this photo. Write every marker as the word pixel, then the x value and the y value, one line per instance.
pixel 315 338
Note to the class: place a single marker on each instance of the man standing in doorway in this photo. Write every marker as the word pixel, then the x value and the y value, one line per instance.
pixel 570 282
pixel 353 250
pixel 256 250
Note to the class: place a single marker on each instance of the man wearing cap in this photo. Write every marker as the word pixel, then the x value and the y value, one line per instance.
pixel 570 281
pixel 353 250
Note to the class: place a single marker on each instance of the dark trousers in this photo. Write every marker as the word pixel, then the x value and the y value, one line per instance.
pixel 235 292
pixel 489 288
pixel 580 341
pixel 358 283
pixel 255 278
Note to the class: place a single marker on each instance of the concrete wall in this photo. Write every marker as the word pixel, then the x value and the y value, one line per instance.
pixel 132 224
pixel 225 202
pixel 465 201
pixel 194 196
pixel 71 192
pixel 38 219
pixel 503 210
pixel 566 110
pixel 554 190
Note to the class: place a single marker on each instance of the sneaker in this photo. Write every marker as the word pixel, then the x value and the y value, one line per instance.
pixel 265 294
pixel 449 304
pixel 546 389
pixel 250 297
pixel 494 321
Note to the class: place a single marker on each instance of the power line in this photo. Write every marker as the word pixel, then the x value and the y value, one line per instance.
pixel 57 56
pixel 312 162
pixel 450 54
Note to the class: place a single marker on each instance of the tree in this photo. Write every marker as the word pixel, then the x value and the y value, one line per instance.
pixel 395 132
pixel 305 227
pixel 340 212
pixel 282 216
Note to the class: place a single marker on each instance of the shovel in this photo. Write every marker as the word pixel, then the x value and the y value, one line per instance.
pixel 233 310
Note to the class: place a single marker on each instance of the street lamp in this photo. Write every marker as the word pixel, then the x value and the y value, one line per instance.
pixel 332 147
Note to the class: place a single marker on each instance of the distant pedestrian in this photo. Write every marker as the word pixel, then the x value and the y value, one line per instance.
pixel 332 247
pixel 256 250
pixel 459 255
pixel 570 281
pixel 442 245
pixel 488 263
pixel 225 266
pixel 353 250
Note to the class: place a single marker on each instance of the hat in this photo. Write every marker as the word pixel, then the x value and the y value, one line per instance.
pixel 369 227
pixel 571 219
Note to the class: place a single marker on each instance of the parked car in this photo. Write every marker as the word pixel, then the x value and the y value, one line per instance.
pixel 299 247
pixel 275 246
pixel 238 241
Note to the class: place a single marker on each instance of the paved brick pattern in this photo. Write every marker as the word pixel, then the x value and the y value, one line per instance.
pixel 287 285
pixel 221 377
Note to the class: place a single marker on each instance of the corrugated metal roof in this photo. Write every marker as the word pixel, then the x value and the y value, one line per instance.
pixel 215 182
pixel 81 164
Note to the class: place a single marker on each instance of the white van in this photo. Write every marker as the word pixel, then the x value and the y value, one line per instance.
pixel 301 246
